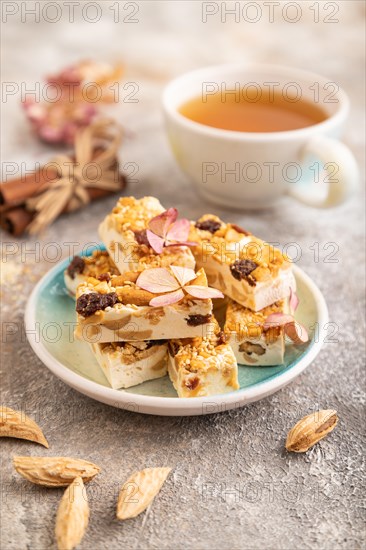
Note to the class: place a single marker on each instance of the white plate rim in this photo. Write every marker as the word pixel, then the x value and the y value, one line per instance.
pixel 173 406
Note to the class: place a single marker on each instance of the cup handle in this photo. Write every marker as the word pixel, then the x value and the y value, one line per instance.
pixel 341 183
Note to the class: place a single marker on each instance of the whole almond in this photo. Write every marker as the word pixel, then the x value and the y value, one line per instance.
pixel 134 295
pixel 139 491
pixel 17 424
pixel 128 277
pixel 54 471
pixel 311 429
pixel 72 516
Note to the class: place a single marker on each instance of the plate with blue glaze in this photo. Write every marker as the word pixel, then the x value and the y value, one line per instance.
pixel 50 320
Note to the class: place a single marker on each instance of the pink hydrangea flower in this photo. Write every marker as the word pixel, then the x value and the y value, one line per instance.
pixel 293 300
pixel 59 120
pixel 294 330
pixel 172 285
pixel 165 230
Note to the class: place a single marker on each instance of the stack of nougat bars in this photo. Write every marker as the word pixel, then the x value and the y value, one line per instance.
pixel 135 310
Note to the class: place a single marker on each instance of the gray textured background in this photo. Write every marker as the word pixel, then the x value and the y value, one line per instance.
pixel 233 486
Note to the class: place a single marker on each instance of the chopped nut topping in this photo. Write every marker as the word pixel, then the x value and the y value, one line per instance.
pixel 193 357
pixel 239 229
pixel 95 265
pixel 200 354
pixel 132 214
pixel 230 243
pixel 250 324
pixel 128 277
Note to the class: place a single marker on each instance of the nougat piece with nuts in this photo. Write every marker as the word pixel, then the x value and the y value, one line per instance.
pixel 246 269
pixel 119 310
pixel 203 366
pixel 123 231
pixel 251 342
pixel 99 265
pixel 127 364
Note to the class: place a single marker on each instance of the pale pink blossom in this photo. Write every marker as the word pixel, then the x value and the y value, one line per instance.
pixel 173 284
pixel 165 230
pixel 294 330
pixel 293 300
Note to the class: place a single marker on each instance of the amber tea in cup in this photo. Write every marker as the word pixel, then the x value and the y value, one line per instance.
pixel 263 110
pixel 246 134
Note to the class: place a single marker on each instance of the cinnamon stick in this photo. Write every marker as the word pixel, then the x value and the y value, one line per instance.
pixel 14 216
pixel 16 191
pixel 15 220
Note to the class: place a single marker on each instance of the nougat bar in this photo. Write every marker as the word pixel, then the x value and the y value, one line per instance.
pixel 251 343
pixel 127 364
pixel 118 310
pixel 99 265
pixel 246 269
pixel 202 366
pixel 123 232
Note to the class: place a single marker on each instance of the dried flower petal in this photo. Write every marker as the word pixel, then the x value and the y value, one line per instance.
pixel 167 299
pixel 157 243
pixel 160 280
pixel 203 292
pixel 164 230
pixel 183 274
pixel 179 231
pixel 161 223
pixel 296 332
pixel 157 280
pixel 277 320
pixel 35 111
pixel 293 300
pixel 52 135
pixel 58 121
pixel 181 243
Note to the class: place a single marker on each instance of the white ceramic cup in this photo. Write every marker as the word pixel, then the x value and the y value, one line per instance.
pixel 252 170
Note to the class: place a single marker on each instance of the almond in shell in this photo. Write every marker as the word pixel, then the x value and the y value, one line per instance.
pixel 311 429
pixel 72 516
pixel 139 491
pixel 19 425
pixel 54 471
